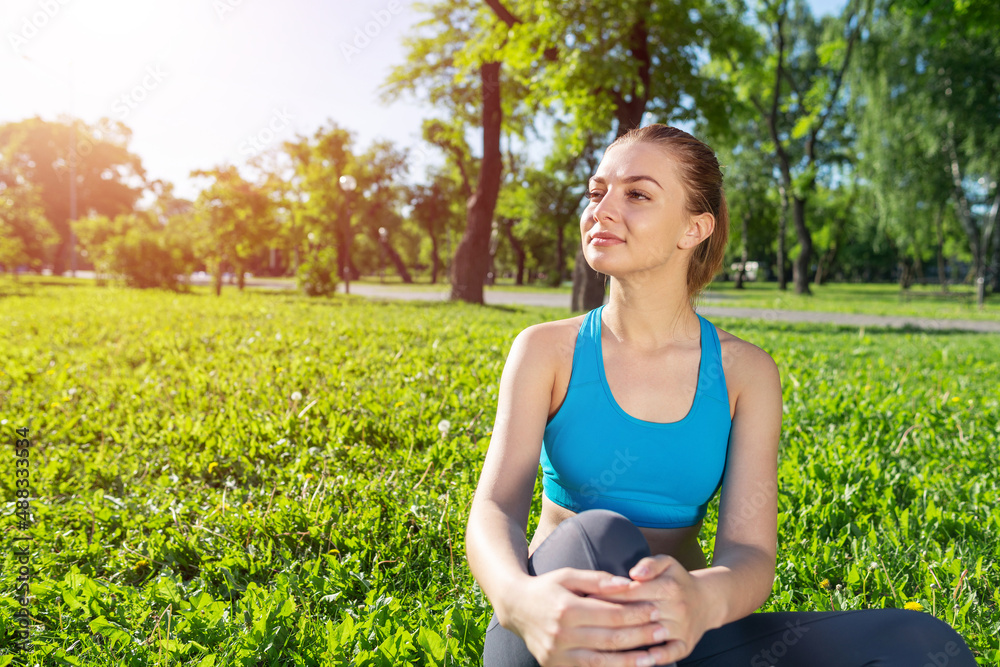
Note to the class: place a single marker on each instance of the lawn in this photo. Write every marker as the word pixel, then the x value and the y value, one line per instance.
pixel 265 479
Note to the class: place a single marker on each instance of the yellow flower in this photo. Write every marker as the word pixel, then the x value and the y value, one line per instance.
pixel 141 564
pixel 824 584
pixel 212 466
pixel 248 505
pixel 913 606
pixel 309 475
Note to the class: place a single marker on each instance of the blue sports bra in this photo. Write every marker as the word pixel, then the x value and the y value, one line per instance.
pixel 659 475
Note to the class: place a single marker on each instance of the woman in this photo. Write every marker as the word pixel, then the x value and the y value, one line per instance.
pixel 639 412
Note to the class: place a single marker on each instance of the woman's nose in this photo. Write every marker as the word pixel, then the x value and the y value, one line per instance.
pixel 606 208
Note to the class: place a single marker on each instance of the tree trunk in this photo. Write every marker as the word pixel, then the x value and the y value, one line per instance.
pixel 560 268
pixel 508 230
pixel 588 285
pixel 800 269
pixel 782 226
pixel 397 261
pixel 435 259
pixel 472 257
pixel 744 254
pixel 995 265
pixel 217 279
pixel 942 268
pixel 240 276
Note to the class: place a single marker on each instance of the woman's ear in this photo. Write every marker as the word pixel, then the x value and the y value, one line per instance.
pixel 700 227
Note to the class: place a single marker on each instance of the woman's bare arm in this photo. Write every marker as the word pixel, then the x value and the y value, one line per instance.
pixel 495 539
pixel 742 571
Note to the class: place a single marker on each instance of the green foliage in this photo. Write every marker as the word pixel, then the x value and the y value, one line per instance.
pixel 43 154
pixel 275 480
pixel 317 276
pixel 136 248
pixel 26 237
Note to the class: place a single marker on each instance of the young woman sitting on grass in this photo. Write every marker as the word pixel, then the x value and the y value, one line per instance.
pixel 639 412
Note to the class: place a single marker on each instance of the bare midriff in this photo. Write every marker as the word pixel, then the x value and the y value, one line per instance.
pixel 681 543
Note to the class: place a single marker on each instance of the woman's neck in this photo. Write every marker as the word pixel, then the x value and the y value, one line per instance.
pixel 649 318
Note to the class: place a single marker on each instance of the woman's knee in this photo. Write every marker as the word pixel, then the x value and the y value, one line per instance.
pixel 594 540
pixel 928 640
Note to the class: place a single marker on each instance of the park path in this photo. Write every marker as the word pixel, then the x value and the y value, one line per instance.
pixel 708 308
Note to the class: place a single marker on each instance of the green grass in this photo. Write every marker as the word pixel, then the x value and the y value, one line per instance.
pixel 261 479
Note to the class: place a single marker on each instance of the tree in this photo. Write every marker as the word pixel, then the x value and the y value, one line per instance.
pixel 26 237
pixel 236 221
pixel 108 178
pixel 799 63
pixel 932 122
pixel 434 213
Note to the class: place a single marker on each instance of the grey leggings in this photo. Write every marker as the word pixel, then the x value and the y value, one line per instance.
pixel 605 540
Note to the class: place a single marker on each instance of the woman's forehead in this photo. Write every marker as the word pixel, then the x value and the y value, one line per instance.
pixel 624 162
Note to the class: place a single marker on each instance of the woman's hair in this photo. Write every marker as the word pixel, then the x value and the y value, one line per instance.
pixel 701 177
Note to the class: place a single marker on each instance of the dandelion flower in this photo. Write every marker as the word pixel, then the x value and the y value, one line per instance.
pixel 212 466
pixel 296 396
pixel 248 505
pixel 141 564
pixel 824 584
pixel 913 606
pixel 444 425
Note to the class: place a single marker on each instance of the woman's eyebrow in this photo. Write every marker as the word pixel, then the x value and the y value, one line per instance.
pixel 627 179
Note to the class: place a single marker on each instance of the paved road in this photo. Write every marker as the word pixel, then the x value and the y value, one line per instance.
pixel 710 306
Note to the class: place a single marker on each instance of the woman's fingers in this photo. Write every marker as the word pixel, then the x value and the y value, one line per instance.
pixel 627 638
pixel 602 613
pixel 602 659
pixel 589 582
pixel 652 566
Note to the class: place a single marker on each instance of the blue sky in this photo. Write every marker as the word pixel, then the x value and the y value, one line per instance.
pixel 209 82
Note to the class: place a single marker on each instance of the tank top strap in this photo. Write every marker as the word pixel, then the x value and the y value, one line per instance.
pixel 585 353
pixel 712 381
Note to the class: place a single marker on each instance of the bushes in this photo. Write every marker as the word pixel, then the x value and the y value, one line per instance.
pixel 137 249
pixel 317 276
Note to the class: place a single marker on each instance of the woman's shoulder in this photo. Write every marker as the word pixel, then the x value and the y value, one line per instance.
pixel 744 363
pixel 553 341
pixel 554 332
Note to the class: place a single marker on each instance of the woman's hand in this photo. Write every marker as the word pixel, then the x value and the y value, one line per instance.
pixel 563 623
pixel 685 610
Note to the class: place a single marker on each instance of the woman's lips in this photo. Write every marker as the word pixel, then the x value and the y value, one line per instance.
pixel 605 240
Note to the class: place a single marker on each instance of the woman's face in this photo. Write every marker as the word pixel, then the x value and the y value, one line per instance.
pixel 636 219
